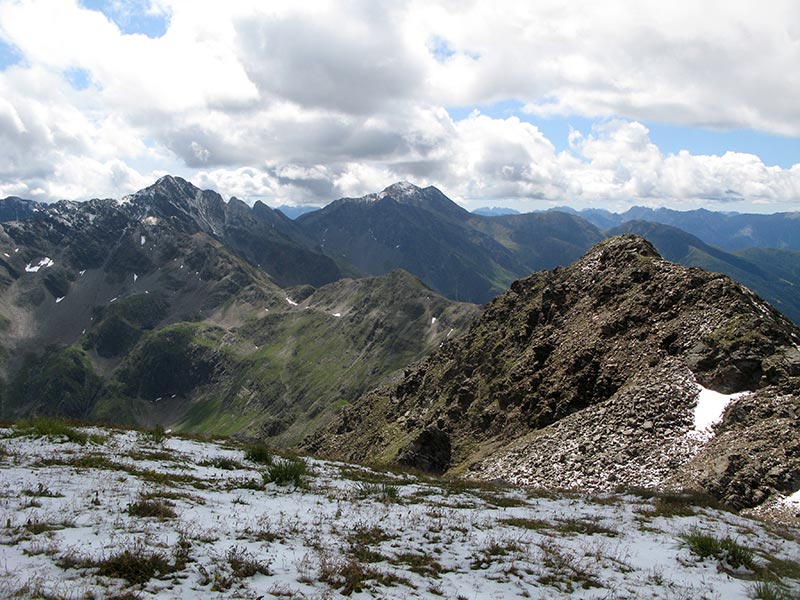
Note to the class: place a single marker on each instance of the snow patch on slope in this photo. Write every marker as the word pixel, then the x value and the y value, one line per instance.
pixel 710 407
pixel 42 264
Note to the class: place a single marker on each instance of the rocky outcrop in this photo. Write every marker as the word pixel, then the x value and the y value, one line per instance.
pixel 588 377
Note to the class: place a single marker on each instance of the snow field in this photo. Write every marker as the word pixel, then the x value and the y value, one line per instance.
pixel 347 531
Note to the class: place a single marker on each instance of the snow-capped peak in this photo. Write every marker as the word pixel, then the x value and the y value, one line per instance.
pixel 400 190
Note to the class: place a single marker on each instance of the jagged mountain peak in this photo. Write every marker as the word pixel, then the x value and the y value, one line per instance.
pixel 619 249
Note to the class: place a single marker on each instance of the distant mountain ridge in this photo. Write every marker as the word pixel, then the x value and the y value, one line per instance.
pixel 461 255
pixel 731 231
pixel 465 256
pixel 495 211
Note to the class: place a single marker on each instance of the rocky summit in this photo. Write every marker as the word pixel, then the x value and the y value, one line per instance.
pixel 620 370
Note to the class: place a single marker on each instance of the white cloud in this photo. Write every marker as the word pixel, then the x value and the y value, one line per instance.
pixel 304 102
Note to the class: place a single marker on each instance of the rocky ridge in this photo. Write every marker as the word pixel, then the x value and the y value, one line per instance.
pixel 588 377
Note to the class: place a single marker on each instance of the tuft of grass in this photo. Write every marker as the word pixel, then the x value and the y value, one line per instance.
pixel 243 564
pixel 386 492
pixel 767 590
pixel 564 569
pixel 237 564
pixel 50 428
pixel 492 551
pixel 522 523
pixel 421 564
pixel 42 492
pixel 245 483
pixel 581 527
pixel 724 549
pixel 350 576
pixel 35 526
pixel 157 434
pixel 156 508
pixel 258 453
pixel 286 472
pixel 222 462
pixel 135 564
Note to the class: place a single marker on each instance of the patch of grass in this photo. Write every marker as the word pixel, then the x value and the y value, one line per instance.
pixel 42 492
pixel 385 492
pixel 157 508
pixel 361 474
pixel 35 526
pixel 50 428
pixel 350 576
pixel 237 564
pixel 258 453
pixel 491 551
pixel 501 501
pixel 136 564
pixel 157 455
pixel 222 462
pixel 532 524
pixel 362 538
pixel 564 570
pixel 286 472
pixel 157 434
pixel 96 461
pixel 725 549
pixel 767 590
pixel 421 564
pixel 85 461
pixel 246 483
pixel 243 564
pixel 581 527
pixel 780 567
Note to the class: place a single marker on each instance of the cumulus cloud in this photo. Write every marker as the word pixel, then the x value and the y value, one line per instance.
pixel 304 102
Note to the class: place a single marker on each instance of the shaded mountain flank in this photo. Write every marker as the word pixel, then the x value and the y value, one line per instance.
pixel 461 255
pixel 589 376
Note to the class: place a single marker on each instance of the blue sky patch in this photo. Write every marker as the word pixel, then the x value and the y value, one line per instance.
pixel 9 55
pixel 80 79
pixel 772 149
pixel 132 16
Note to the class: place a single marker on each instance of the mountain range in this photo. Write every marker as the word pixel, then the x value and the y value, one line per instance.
pixel 354 329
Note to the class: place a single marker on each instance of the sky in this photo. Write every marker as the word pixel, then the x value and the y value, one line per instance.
pixel 529 105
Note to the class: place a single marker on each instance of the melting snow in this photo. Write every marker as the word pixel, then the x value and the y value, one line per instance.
pixel 42 264
pixel 142 241
pixel 60 299
pixel 290 301
pixel 82 272
pixel 710 406
pixel 135 277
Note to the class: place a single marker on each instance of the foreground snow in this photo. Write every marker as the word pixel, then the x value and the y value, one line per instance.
pixel 65 509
